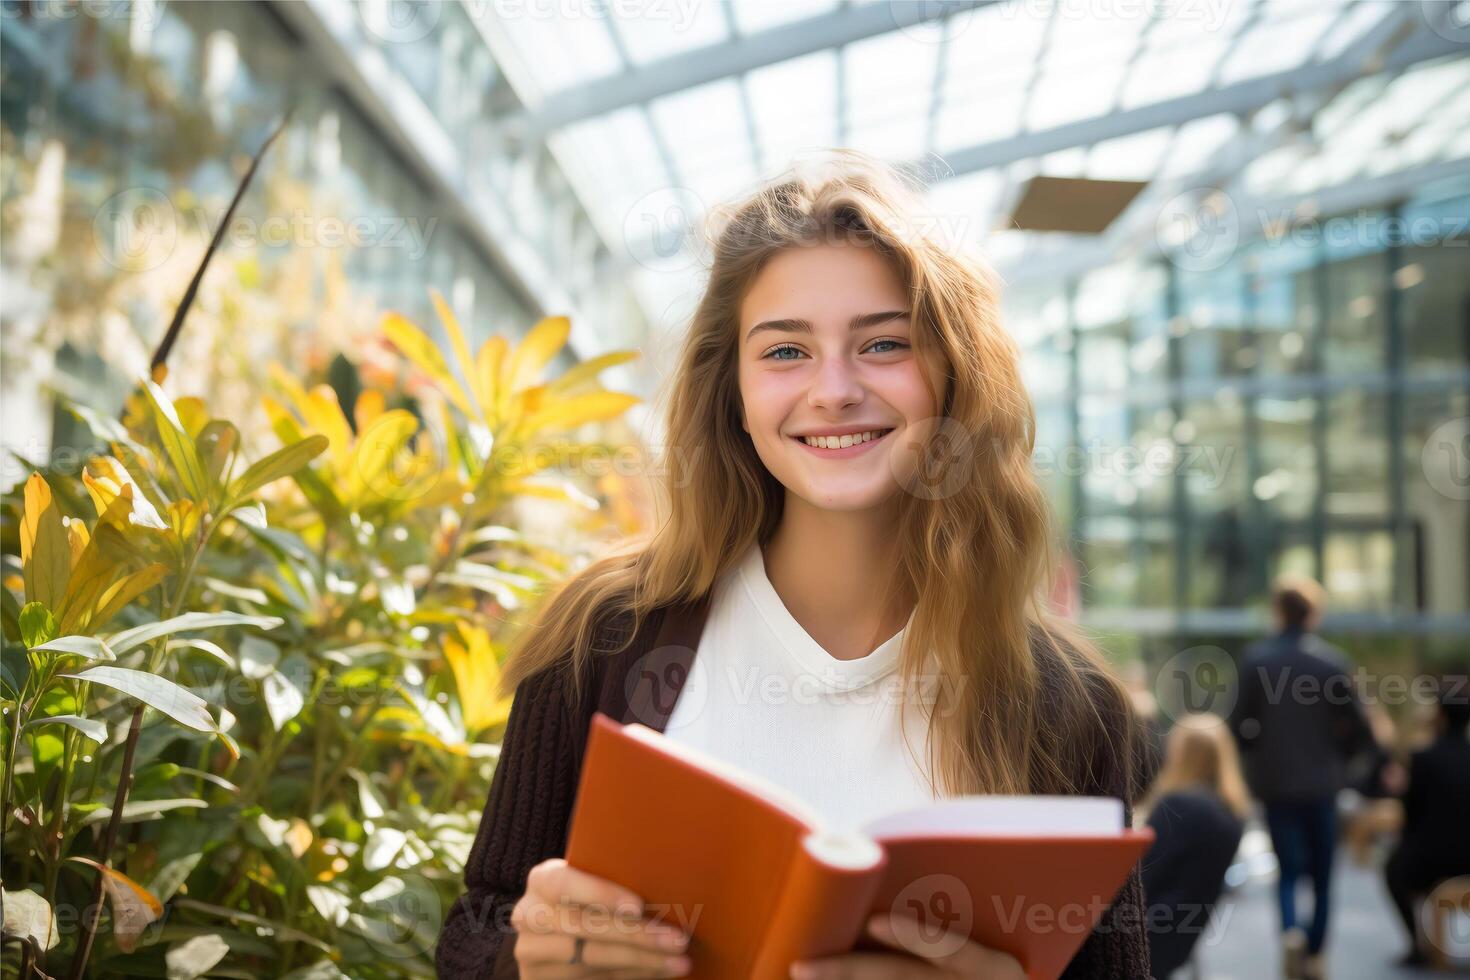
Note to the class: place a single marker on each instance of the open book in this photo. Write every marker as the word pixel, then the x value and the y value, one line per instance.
pixel 752 874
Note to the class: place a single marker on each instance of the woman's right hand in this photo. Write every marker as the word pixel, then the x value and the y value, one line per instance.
pixel 562 904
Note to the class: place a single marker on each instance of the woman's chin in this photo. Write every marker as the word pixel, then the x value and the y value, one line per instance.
pixel 838 496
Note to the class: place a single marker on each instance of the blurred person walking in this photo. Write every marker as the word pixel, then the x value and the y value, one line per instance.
pixel 1197 808
pixel 1299 724
pixel 1435 845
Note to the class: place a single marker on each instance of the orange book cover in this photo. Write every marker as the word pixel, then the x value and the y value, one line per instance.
pixel 759 881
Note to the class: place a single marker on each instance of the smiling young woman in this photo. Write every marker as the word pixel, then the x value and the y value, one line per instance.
pixel 854 505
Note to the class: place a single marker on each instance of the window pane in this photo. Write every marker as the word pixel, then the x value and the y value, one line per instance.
pixel 1284 308
pixel 1436 461
pixel 1287 485
pixel 1357 455
pixel 1358 570
pixel 1215 342
pixel 1211 438
pixel 1434 297
pixel 1354 338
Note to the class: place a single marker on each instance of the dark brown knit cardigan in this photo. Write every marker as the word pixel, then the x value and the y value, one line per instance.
pixel 529 811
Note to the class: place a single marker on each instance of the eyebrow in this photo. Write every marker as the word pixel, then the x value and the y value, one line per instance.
pixel 859 322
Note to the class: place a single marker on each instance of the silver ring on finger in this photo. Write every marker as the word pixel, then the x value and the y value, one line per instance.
pixel 577 950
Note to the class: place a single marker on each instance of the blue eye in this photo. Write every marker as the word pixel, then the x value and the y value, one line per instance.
pixel 897 345
pixel 781 350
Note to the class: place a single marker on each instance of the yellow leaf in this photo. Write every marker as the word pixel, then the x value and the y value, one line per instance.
pixel 324 415
pixel 457 343
pixel 588 370
pixel 45 550
pixel 372 473
pixel 192 414
pixel 295 391
pixel 489 364
pixel 530 358
pixel 134 908
pixel 418 348
pixel 369 406
pixel 93 573
pixel 77 532
pixel 568 413
pixel 477 678
pixel 103 490
pixel 122 592
pixel 298 837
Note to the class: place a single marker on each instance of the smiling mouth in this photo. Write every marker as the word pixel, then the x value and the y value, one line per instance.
pixel 843 442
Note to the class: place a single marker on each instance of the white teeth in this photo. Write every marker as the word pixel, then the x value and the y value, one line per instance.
pixel 842 442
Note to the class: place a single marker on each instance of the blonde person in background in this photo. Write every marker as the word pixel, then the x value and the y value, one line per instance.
pixel 1197 807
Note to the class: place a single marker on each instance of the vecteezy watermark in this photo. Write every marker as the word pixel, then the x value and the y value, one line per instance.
pixel 932 914
pixel 138 229
pixel 1446 458
pixel 1209 466
pixel 755 685
pixel 147 14
pixel 1198 230
pixel 1201 229
pixel 1209 14
pixel 936 461
pixel 1450 19
pixel 1361 685
pixel 400 21
pixel 660 228
pixel 661 678
pixel 1444 920
pixel 1361 228
pixel 1198 680
pixel 679 14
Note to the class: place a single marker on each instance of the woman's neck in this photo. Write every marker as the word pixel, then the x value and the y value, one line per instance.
pixel 832 570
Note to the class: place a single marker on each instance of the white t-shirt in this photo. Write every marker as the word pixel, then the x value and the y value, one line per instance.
pixel 764 696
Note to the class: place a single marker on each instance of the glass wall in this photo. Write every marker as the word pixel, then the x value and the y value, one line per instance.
pixel 124 130
pixel 1303 406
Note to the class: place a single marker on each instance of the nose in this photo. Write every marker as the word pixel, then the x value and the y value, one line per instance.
pixel 835 386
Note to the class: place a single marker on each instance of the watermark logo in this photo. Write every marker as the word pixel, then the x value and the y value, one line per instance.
pixel 136 229
pixel 1199 680
pixel 400 21
pixel 1450 19
pixel 661 678
pixel 932 915
pixel 1198 230
pixel 1446 458
pixel 936 461
pixel 659 229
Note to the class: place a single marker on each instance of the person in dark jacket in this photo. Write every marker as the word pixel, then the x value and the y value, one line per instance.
pixel 1436 839
pixel 1197 809
pixel 1299 723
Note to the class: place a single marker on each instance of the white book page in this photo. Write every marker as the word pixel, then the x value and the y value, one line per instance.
pixel 1020 816
pixel 774 794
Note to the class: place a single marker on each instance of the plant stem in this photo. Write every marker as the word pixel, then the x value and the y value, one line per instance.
pixel 93 911
pixel 125 777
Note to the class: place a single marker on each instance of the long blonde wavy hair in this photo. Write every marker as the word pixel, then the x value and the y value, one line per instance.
pixel 1024 702
pixel 1200 753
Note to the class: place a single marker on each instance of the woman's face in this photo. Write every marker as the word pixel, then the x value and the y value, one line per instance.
pixel 825 352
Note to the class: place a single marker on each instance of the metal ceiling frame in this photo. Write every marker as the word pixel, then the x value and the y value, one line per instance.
pixel 1410 45
pixel 737 56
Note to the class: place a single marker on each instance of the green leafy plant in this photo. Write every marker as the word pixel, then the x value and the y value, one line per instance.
pixel 248 705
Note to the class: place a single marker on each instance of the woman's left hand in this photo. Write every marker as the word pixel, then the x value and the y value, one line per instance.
pixel 949 954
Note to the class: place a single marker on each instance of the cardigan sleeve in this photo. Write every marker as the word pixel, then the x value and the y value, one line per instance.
pixel 1118 946
pixel 524 823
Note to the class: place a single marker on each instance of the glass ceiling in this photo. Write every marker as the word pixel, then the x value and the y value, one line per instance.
pixel 983 75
